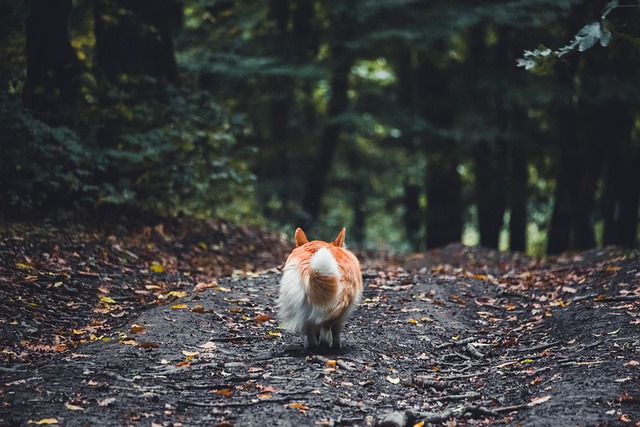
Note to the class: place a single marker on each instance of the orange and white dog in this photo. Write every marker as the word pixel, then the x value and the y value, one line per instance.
pixel 321 284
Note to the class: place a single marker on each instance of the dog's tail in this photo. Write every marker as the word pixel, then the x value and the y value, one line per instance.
pixel 324 278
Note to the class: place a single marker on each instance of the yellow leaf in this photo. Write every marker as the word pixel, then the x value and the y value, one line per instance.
pixel 412 321
pixel 23 266
pixel 526 361
pixel 235 310
pixel 420 424
pixel 274 334
pixel 177 294
pixel 264 396
pixel 190 354
pixel 129 342
pixel 180 306
pixel 44 421
pixel 157 268
pixel 331 363
pixel 107 300
pixel 73 407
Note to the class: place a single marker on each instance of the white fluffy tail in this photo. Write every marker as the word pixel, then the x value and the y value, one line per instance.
pixel 324 264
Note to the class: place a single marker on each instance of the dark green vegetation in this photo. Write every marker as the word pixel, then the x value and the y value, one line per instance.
pixel 406 121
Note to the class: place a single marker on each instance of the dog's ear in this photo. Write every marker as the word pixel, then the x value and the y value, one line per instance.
pixel 300 237
pixel 340 239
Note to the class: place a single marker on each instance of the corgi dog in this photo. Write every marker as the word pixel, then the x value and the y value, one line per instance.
pixel 321 284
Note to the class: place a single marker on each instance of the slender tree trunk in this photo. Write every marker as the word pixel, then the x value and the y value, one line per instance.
pixel 518 197
pixel 621 196
pixel 444 196
pixel 443 183
pixel 53 69
pixel 413 215
pixel 316 183
pixel 412 190
pixel 491 189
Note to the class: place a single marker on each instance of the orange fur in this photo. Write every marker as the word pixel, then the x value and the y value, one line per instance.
pixel 318 302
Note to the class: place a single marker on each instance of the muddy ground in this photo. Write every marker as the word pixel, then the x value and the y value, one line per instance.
pixel 456 336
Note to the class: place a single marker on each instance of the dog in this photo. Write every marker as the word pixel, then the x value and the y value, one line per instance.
pixel 321 284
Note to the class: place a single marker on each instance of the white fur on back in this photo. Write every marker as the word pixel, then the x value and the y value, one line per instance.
pixel 323 263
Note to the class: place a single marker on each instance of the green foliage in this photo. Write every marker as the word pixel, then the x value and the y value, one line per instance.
pixel 191 163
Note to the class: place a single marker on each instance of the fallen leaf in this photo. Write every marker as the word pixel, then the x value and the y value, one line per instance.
pixel 209 345
pixel 274 334
pixel 198 309
pixel 264 396
pixel 539 400
pixel 107 299
pixel 393 380
pixel 224 392
pixel 299 406
pixel 129 342
pixel 106 402
pixel 262 318
pixel 202 286
pixel 420 424
pixel 190 354
pixel 157 267
pixel 44 421
pixel 331 362
pixel 180 306
pixel 73 407
pixel 177 294
pixel 138 329
pixel 632 363
pixel 149 344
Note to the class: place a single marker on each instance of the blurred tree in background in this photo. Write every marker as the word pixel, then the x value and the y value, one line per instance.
pixel 406 121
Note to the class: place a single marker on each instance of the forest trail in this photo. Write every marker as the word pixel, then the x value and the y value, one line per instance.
pixel 456 336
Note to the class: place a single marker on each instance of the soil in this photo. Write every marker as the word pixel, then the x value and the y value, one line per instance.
pixel 175 325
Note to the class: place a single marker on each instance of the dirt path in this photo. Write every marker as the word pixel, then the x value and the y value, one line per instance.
pixel 483 341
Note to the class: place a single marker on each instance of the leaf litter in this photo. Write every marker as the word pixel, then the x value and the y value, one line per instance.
pixel 455 336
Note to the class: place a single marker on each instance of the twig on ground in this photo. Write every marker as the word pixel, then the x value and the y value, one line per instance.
pixel 457 343
pixel 340 363
pixel 471 349
pixel 539 347
pixel 464 396
pixel 474 411
pixel 600 298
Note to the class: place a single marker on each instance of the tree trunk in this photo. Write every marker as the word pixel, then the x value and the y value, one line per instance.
pixel 518 197
pixel 412 214
pixel 621 196
pixel 53 69
pixel 444 196
pixel 578 173
pixel 316 183
pixel 491 170
pixel 443 183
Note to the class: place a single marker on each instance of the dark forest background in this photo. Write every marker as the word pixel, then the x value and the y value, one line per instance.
pixel 406 121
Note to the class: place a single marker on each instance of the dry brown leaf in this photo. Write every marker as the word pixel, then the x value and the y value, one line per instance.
pixel 138 329
pixel 539 400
